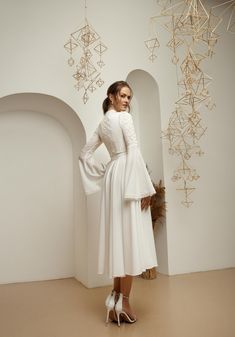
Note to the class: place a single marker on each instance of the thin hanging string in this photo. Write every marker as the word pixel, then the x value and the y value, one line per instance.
pixel 85 9
pixel 177 79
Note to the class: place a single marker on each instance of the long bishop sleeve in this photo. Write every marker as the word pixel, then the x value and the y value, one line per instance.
pixel 92 172
pixel 137 180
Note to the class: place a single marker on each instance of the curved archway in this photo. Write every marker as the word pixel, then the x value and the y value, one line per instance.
pixel 43 206
pixel 147 119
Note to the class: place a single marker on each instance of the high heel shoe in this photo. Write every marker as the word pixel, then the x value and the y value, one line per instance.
pixel 121 312
pixel 110 304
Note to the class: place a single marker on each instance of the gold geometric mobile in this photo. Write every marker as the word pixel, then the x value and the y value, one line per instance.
pixel 87 74
pixel 227 7
pixel 152 44
pixel 192 40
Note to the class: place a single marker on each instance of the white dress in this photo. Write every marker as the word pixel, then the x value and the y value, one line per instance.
pixel 126 242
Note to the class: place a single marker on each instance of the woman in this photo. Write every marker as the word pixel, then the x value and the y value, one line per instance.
pixel 126 243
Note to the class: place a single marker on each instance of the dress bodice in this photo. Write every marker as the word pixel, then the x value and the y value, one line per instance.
pixel 116 131
pixel 112 130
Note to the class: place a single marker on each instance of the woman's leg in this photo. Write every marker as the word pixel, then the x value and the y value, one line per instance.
pixel 125 288
pixel 116 284
pixel 126 285
pixel 123 285
pixel 116 288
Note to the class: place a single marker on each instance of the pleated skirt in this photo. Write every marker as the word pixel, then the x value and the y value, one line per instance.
pixel 126 241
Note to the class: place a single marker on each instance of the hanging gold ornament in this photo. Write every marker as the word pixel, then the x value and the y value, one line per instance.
pixel 226 8
pixel 87 74
pixel 192 28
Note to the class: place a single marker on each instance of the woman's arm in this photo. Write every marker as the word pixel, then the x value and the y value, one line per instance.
pixel 138 185
pixel 92 172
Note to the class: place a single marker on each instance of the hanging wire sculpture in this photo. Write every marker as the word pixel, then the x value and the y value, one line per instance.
pixel 87 74
pixel 227 7
pixel 193 38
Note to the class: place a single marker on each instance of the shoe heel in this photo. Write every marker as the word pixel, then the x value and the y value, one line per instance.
pixel 120 311
pixel 118 308
pixel 118 318
pixel 107 316
pixel 110 304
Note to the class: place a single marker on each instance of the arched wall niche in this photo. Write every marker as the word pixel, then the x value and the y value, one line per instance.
pixel 147 119
pixel 43 231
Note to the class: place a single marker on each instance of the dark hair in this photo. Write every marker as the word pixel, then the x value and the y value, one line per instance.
pixel 114 89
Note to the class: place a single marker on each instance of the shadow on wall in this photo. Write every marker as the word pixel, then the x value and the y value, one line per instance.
pixel 42 218
pixel 147 118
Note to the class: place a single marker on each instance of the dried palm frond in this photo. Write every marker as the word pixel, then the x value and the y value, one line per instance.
pixel 158 204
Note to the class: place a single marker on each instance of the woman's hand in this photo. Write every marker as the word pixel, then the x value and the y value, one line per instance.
pixel 145 203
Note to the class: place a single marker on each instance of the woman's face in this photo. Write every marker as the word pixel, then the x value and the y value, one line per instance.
pixel 121 101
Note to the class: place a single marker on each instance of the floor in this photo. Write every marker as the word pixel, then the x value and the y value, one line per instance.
pixel 189 305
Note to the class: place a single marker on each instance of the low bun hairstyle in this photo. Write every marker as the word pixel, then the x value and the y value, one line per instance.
pixel 106 104
pixel 114 89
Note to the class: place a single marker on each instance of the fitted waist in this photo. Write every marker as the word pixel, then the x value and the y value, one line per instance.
pixel 117 155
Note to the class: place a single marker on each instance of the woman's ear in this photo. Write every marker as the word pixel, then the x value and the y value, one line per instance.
pixel 111 98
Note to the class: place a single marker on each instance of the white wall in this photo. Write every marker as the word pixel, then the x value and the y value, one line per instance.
pixel 147 119
pixel 33 59
pixel 41 209
pixel 147 116
pixel 36 201
pixel 202 237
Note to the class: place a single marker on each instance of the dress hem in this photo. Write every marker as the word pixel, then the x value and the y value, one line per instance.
pixel 130 274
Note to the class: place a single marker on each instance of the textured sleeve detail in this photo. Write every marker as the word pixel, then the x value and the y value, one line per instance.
pixel 138 183
pixel 127 126
pixel 92 172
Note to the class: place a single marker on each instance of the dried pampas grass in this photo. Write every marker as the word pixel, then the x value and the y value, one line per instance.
pixel 158 204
